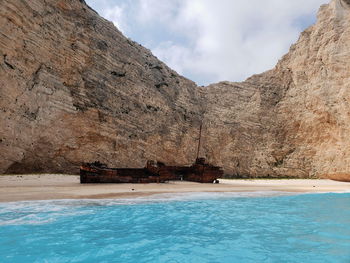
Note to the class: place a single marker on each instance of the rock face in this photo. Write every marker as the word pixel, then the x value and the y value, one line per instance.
pixel 293 120
pixel 74 89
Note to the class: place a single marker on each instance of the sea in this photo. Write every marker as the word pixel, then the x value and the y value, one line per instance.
pixel 190 227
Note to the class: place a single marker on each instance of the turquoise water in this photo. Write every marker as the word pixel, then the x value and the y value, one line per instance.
pixel 246 227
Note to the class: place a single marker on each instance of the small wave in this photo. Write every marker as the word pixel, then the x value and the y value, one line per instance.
pixel 47 211
pixel 215 195
pixel 37 212
pixel 38 206
pixel 26 220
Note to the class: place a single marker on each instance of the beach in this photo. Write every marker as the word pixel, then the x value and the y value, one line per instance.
pixel 57 186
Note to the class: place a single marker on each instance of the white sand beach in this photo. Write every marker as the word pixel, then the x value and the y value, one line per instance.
pixel 57 186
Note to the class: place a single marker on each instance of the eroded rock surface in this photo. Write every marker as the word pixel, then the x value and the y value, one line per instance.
pixel 293 120
pixel 74 89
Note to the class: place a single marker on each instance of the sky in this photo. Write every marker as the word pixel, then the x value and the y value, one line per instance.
pixel 209 41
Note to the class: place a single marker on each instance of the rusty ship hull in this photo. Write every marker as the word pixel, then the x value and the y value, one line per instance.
pixel 154 172
pixel 199 172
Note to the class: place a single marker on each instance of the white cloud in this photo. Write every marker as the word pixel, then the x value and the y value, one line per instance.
pixel 208 40
pixel 155 11
pixel 176 56
pixel 115 14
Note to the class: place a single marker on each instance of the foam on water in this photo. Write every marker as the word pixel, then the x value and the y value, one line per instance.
pixel 186 227
pixel 46 211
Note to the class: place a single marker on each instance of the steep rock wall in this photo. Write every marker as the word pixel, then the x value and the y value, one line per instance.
pixel 294 119
pixel 74 89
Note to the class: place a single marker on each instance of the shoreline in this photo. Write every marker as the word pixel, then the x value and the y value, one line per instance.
pixel 56 186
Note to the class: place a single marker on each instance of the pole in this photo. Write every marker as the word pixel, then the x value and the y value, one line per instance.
pixel 199 141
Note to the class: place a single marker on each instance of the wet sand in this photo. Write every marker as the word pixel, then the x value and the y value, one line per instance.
pixel 56 186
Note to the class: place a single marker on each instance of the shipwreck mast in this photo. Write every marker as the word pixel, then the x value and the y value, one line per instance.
pixel 199 141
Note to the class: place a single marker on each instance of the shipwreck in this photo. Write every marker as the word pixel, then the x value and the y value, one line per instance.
pixel 154 172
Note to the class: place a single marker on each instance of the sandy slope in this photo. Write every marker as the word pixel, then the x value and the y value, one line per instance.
pixel 54 186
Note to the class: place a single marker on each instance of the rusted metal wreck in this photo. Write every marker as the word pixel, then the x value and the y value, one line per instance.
pixel 153 172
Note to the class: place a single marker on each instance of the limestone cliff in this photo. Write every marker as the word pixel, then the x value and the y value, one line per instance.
pixel 293 120
pixel 73 89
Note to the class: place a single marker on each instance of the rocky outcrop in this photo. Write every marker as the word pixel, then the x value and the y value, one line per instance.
pixel 74 89
pixel 293 120
pixel 316 110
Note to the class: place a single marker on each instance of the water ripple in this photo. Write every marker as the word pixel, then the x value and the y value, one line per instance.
pixel 199 227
